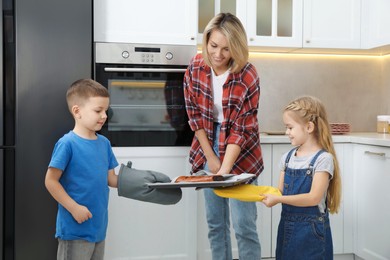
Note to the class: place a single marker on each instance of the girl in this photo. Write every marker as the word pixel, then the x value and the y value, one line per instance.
pixel 222 97
pixel 310 184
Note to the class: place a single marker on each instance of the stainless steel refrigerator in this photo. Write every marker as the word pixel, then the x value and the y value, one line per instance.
pixel 46 45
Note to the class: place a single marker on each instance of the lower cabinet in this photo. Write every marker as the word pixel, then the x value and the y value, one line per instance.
pixel 372 164
pixel 142 230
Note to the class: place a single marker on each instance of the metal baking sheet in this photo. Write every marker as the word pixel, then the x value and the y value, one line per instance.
pixel 231 181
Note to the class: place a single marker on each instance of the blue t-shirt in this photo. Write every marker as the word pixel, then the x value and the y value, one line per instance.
pixel 85 164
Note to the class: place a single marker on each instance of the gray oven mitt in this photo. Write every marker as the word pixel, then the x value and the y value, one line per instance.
pixel 132 184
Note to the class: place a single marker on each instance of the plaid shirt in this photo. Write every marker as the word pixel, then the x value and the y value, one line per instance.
pixel 240 101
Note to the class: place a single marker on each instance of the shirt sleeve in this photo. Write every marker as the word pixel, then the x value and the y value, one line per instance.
pixel 282 162
pixel 246 122
pixel 113 162
pixel 193 112
pixel 61 155
pixel 324 163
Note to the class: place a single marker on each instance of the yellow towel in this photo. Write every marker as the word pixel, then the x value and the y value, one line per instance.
pixel 246 192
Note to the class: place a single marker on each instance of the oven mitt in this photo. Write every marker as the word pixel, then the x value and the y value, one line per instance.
pixel 132 184
pixel 246 192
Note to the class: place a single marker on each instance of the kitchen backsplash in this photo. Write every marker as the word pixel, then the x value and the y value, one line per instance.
pixel 354 89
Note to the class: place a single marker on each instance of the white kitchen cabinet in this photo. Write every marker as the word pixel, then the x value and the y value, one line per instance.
pixel 274 23
pixel 277 151
pixel 341 223
pixel 142 230
pixel 146 21
pixel 268 23
pixel 375 23
pixel 263 217
pixel 209 8
pixel 372 164
pixel 331 24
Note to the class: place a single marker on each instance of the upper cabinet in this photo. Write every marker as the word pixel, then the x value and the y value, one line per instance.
pixel 274 23
pixel 331 24
pixel 375 23
pixel 287 25
pixel 146 21
pixel 209 8
pixel 268 23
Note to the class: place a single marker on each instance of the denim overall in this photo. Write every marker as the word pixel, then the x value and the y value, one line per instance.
pixel 304 232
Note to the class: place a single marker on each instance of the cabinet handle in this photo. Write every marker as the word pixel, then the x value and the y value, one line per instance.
pixel 376 154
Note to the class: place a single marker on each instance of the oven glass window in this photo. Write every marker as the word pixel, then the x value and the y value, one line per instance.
pixel 147 107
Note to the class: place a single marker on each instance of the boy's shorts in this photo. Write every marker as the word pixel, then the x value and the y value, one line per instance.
pixel 80 250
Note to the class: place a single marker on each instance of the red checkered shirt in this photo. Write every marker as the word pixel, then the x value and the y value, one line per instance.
pixel 240 101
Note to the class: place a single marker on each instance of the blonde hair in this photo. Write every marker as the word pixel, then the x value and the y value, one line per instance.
pixel 311 109
pixel 231 27
pixel 82 89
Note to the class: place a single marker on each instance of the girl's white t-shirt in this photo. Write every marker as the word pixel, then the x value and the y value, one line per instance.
pixel 217 84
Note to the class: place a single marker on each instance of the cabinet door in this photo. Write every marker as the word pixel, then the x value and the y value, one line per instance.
pixel 146 21
pixel 375 23
pixel 264 214
pixel 331 24
pixel 372 202
pixel 277 152
pixel 209 8
pixel 274 23
pixel 337 220
pixel 142 230
pixel 263 217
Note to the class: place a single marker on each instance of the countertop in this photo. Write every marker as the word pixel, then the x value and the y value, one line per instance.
pixel 359 138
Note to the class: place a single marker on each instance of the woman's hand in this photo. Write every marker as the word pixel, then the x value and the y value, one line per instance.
pixel 214 164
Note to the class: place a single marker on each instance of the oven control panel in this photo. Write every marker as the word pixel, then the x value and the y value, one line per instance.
pixel 143 53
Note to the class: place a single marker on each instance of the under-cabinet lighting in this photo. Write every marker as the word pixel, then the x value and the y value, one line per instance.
pixel 313 55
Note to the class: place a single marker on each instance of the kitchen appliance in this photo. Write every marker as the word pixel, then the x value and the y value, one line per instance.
pixel 46 45
pixel 383 124
pixel 145 83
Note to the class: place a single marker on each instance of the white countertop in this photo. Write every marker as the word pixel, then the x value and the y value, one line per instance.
pixel 359 138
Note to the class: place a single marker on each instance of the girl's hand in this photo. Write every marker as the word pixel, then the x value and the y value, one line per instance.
pixel 81 214
pixel 270 200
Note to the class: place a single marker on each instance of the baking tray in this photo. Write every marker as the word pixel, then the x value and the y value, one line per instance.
pixel 230 181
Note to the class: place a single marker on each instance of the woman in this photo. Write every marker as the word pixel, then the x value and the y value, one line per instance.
pixel 222 96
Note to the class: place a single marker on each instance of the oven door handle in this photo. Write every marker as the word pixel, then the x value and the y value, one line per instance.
pixel 110 69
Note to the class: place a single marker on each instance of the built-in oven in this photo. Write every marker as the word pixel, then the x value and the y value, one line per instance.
pixel 145 83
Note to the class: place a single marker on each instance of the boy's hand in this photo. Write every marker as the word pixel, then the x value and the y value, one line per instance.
pixel 81 214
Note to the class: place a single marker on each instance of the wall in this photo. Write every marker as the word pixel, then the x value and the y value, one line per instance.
pixel 353 88
pixel 386 84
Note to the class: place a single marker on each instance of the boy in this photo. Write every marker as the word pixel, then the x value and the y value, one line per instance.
pixel 79 173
